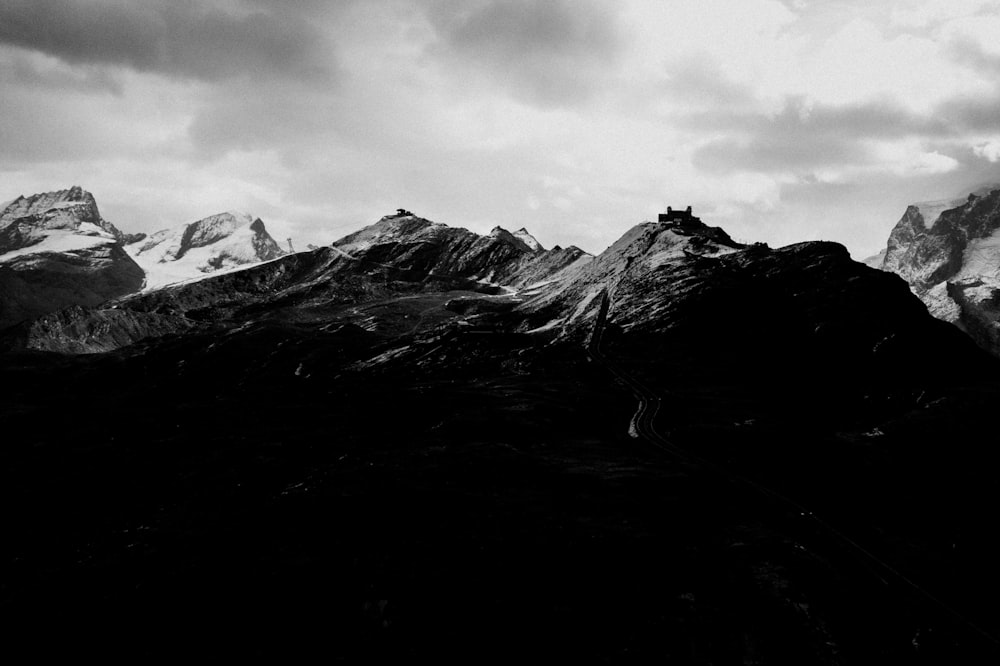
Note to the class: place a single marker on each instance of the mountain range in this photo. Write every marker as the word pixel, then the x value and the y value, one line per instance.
pixel 424 442
pixel 949 253
pixel 56 251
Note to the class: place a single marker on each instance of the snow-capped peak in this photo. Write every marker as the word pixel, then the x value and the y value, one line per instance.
pixel 529 240
pixel 930 211
pixel 220 241
pixel 58 221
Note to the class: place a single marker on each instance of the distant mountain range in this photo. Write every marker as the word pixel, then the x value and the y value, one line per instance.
pixel 56 251
pixel 949 253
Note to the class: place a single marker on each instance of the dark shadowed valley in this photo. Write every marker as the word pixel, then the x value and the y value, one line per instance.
pixel 424 443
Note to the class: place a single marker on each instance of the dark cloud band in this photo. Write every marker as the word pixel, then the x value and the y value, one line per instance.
pixel 183 39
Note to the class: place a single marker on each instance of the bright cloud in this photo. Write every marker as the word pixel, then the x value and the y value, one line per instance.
pixel 779 120
pixel 989 150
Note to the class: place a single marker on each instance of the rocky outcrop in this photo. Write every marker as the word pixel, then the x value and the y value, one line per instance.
pixel 949 253
pixel 570 306
pixel 692 292
pixel 26 221
pixel 529 240
pixel 399 255
pixel 56 251
pixel 437 251
pixel 673 289
pixel 219 242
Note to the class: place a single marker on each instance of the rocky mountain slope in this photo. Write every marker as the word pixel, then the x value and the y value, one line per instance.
pixel 949 253
pixel 56 251
pixel 668 284
pixel 399 256
pixel 219 242
pixel 407 241
pixel 429 431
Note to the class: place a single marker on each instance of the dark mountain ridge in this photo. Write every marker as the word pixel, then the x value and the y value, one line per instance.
pixel 422 442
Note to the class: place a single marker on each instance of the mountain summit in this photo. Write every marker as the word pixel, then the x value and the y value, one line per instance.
pixel 949 253
pixel 56 250
pixel 218 242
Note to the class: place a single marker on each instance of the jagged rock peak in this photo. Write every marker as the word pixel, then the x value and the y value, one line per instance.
pixel 529 240
pixel 949 253
pixel 43 201
pixel 515 240
pixel 210 230
pixel 26 220
pixel 57 250
pixel 221 241
pixel 38 205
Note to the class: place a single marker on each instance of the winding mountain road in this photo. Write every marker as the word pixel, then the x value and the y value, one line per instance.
pixel 643 422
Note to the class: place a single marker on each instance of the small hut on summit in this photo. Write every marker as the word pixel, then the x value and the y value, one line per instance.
pixel 679 218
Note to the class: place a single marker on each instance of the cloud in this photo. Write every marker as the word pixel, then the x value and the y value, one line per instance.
pixel 776 153
pixel 181 39
pixel 574 118
pixel 700 81
pixel 928 13
pixel 968 51
pixel 971 113
pixel 246 116
pixel 37 71
pixel 989 150
pixel 805 137
pixel 550 53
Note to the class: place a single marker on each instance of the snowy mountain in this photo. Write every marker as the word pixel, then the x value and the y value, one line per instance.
pixel 529 240
pixel 949 253
pixel 55 251
pixel 216 243
pixel 398 256
pixel 53 221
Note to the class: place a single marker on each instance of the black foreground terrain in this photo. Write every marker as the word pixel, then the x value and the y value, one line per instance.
pixel 252 497
pixel 334 457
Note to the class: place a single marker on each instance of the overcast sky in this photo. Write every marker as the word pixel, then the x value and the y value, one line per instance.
pixel 779 121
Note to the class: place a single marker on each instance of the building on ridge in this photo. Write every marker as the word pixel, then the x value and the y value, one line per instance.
pixel 680 218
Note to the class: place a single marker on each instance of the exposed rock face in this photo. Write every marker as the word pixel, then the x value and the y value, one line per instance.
pixel 949 253
pixel 55 251
pixel 669 286
pixel 408 241
pixel 529 240
pixel 399 255
pixel 691 291
pixel 26 221
pixel 219 242
pixel 571 305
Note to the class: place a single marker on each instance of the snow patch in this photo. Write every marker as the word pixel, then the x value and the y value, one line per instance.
pixel 941 305
pixel 585 303
pixel 547 327
pixel 91 229
pixel 59 241
pixel 214 245
pixel 931 210
pixel 981 258
pixel 529 240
